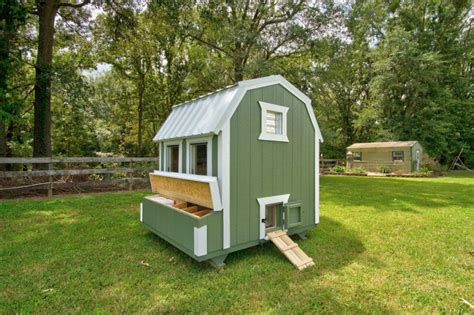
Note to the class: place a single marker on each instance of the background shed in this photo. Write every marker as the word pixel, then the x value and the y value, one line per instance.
pixel 399 156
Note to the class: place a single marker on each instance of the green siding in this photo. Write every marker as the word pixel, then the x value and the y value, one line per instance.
pixel 177 227
pixel 266 168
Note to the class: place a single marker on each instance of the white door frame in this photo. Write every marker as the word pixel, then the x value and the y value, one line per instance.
pixel 263 202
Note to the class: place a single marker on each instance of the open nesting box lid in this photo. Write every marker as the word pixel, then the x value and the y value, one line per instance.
pixel 197 189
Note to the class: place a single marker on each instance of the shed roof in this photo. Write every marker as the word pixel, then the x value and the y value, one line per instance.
pixel 390 144
pixel 207 114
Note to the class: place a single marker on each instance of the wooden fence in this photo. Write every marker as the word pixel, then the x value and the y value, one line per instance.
pixel 57 172
pixel 74 166
pixel 325 165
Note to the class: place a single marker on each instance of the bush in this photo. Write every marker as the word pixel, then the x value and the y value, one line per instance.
pixel 429 163
pixel 385 169
pixel 358 170
pixel 425 171
pixel 338 169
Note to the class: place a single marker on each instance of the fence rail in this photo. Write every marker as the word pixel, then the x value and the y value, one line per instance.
pixel 48 170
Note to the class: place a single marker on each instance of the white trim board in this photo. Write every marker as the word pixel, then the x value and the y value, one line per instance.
pixel 190 141
pixel 200 241
pixel 263 202
pixel 225 162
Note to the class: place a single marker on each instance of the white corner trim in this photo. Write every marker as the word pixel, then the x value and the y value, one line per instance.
pixel 264 135
pixel 263 202
pixel 190 141
pixel 225 162
pixel 200 241
pixel 211 180
pixel 141 211
pixel 316 181
pixel 165 156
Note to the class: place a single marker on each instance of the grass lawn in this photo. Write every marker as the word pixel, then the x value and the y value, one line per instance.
pixel 384 245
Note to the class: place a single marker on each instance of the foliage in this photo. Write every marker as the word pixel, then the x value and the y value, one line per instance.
pixel 429 163
pixel 338 169
pixel 374 70
pixel 385 169
pixel 424 171
pixel 358 170
pixel 48 268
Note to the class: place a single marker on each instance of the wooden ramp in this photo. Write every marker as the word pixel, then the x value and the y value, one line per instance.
pixel 290 249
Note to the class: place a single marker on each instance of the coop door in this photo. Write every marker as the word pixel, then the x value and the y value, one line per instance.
pixel 293 215
pixel 273 217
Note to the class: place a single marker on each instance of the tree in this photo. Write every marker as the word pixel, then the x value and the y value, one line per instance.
pixel 47 12
pixel 256 32
pixel 421 82
pixel 13 16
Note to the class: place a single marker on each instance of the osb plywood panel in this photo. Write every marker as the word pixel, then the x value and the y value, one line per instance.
pixel 195 192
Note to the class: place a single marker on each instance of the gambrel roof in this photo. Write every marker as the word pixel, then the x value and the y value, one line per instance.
pixel 207 114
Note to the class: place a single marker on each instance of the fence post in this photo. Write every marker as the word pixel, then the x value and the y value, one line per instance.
pixel 50 179
pixel 130 178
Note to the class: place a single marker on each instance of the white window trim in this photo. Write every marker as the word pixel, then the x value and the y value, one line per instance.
pixel 165 156
pixel 263 202
pixel 208 140
pixel 264 135
pixel 160 156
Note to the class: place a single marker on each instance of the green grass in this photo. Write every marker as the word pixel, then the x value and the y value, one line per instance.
pixel 384 245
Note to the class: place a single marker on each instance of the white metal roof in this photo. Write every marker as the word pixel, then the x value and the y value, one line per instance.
pixel 207 114
pixel 390 144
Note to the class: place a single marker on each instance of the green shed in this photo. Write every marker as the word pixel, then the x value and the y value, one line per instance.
pixel 235 166
pixel 398 156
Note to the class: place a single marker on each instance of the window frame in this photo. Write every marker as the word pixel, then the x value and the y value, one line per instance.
pixel 180 155
pixel 189 142
pixel 266 136
pixel 354 157
pixel 403 155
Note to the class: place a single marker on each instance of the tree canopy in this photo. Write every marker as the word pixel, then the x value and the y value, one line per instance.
pixel 83 78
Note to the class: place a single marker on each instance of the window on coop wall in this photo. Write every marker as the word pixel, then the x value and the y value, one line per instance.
pixel 357 156
pixel 397 156
pixel 172 158
pixel 274 122
pixel 198 158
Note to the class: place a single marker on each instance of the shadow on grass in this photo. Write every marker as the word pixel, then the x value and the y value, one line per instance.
pixel 331 245
pixel 390 194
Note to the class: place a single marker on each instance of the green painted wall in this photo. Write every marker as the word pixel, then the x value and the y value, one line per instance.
pixel 266 168
pixel 177 227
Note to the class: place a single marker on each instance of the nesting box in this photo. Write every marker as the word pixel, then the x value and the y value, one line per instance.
pixel 235 165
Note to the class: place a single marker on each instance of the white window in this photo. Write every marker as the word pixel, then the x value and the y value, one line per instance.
pixel 172 157
pixel 357 156
pixel 274 122
pixel 199 156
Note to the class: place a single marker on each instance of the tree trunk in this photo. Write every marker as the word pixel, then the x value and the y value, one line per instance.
pixel 42 118
pixel 141 91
